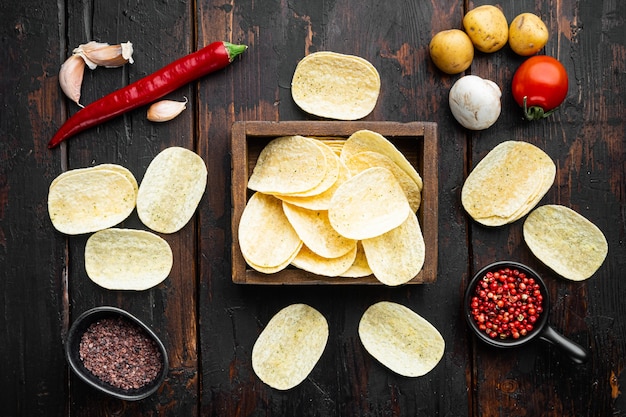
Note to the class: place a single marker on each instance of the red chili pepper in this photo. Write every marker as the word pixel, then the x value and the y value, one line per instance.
pixel 211 58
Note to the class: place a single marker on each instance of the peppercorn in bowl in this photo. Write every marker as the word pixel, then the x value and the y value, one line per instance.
pixel 116 353
pixel 506 305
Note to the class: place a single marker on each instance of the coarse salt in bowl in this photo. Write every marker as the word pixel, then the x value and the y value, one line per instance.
pixel 116 353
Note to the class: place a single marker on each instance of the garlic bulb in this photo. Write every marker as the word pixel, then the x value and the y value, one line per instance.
pixel 71 77
pixel 165 110
pixel 475 102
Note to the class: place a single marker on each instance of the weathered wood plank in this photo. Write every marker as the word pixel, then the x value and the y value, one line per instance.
pixel 32 273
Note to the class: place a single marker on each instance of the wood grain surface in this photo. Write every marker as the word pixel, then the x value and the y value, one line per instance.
pixel 208 323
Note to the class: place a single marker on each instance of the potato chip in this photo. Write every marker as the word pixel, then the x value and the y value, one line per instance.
pixel 335 86
pixel 316 232
pixel 359 268
pixel 290 346
pixel 400 339
pixel 266 238
pixel 507 183
pixel 171 189
pixel 288 165
pixel 368 204
pixel 90 199
pixel 330 176
pixel 565 241
pixel 310 261
pixel 111 167
pixel 319 201
pixel 127 259
pixel 397 256
pixel 366 140
pixel 363 160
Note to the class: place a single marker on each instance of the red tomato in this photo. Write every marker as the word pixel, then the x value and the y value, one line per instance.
pixel 540 86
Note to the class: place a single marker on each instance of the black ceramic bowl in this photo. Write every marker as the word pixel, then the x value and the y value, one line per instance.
pixel 541 330
pixel 72 347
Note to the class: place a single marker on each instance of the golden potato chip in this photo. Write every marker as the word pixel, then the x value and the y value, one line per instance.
pixel 400 339
pixel 111 167
pixel 366 140
pixel 368 204
pixel 171 189
pixel 290 346
pixel 507 183
pixel 397 256
pixel 310 261
pixel 368 159
pixel 288 165
pixel 316 232
pixel 319 201
pixel 90 199
pixel 330 176
pixel 335 86
pixel 565 241
pixel 127 259
pixel 266 238
pixel 360 267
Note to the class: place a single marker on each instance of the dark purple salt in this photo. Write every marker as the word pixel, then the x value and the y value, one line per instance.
pixel 120 353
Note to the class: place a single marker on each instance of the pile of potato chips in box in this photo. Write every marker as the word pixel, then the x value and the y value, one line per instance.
pixel 335 207
pixel 95 199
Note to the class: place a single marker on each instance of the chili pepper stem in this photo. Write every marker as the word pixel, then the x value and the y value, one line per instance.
pixel 234 50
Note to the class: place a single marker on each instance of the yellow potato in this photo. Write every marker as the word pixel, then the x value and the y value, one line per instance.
pixel 487 28
pixel 451 51
pixel 527 34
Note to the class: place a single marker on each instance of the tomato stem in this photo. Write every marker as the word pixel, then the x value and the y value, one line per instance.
pixel 535 112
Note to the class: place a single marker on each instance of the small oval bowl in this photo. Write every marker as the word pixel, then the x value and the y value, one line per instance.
pixel 72 345
pixel 541 330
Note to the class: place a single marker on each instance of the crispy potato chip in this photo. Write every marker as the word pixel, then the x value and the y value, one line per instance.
pixel 397 256
pixel 171 189
pixel 565 241
pixel 316 232
pixel 127 259
pixel 330 176
pixel 400 339
pixel 507 183
pixel 290 346
pixel 320 201
pixel 366 140
pixel 111 167
pixel 90 199
pixel 368 205
pixel 361 161
pixel 359 268
pixel 308 260
pixel 266 238
pixel 335 86
pixel 288 165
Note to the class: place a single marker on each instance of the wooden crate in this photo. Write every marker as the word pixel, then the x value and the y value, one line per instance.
pixel 416 140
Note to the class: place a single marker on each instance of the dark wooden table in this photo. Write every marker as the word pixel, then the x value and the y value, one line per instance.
pixel 209 324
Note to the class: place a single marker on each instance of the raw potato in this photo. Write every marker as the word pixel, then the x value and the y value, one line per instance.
pixel 290 346
pixel 527 34
pixel 451 51
pixel 487 28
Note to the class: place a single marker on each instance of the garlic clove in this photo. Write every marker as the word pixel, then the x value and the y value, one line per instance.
pixel 71 77
pixel 165 110
pixel 102 54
